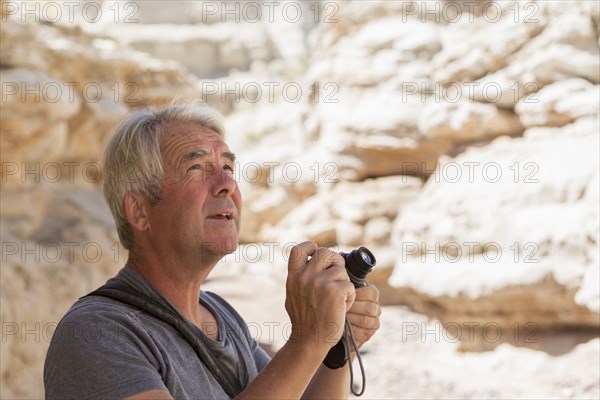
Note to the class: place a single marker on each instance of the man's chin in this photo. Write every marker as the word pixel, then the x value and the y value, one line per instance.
pixel 228 249
pixel 219 249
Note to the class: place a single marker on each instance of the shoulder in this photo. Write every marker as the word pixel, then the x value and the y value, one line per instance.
pixel 95 323
pixel 97 309
pixel 101 349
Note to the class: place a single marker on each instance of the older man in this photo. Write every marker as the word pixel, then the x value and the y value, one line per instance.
pixel 169 182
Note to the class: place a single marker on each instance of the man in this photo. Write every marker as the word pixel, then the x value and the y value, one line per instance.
pixel 168 179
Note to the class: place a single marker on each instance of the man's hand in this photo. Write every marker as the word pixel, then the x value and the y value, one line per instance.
pixel 364 314
pixel 318 295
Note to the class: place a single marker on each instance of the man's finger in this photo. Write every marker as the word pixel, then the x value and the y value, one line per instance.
pixel 324 258
pixel 299 255
pixel 335 273
pixel 365 307
pixel 367 293
pixel 363 321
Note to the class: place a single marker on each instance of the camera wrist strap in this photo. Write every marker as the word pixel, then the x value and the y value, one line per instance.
pixel 350 337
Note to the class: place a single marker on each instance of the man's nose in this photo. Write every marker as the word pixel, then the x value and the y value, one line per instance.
pixel 224 183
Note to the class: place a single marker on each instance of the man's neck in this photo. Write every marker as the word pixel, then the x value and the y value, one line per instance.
pixel 177 281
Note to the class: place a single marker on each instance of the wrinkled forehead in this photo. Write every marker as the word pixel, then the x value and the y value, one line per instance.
pixel 179 138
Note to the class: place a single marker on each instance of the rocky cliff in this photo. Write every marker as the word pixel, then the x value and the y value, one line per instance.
pixel 457 140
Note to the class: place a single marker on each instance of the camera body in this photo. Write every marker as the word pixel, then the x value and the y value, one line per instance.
pixel 359 263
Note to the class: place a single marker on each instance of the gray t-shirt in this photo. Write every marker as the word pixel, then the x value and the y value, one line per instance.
pixel 105 349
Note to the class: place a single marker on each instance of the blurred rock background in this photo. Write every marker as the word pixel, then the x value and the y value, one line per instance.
pixel 458 140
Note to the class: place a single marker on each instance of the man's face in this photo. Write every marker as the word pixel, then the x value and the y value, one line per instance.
pixel 199 213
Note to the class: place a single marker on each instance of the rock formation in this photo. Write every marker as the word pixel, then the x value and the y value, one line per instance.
pixel 458 141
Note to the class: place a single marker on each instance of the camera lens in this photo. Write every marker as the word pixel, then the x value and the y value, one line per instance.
pixel 358 264
pixel 365 256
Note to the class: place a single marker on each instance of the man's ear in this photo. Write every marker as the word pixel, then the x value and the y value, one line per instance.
pixel 136 211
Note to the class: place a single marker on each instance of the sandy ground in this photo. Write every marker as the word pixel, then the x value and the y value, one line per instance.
pixel 412 358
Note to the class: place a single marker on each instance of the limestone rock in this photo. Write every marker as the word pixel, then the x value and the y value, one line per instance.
pixel 361 202
pixel 468 54
pixel 161 12
pixel 67 254
pixel 349 233
pixel 79 84
pixel 567 48
pixel 435 366
pixel 156 82
pixel 579 128
pixel 560 103
pixel 436 11
pixel 216 49
pixel 263 206
pixel 35 114
pixel 100 116
pixel 380 50
pixel 467 121
pixel 23 208
pixel 354 203
pixel 516 231
pixel 376 134
pixel 307 219
pixel 378 230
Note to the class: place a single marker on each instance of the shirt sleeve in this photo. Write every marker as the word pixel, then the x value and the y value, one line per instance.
pixel 99 352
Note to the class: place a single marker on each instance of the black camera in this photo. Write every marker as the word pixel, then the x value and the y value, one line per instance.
pixel 358 264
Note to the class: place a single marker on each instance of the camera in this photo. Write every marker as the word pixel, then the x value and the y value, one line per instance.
pixel 358 264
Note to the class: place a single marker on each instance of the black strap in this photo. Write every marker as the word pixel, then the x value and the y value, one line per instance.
pixel 135 298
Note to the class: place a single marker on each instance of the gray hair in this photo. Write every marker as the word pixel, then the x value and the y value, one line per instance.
pixel 132 161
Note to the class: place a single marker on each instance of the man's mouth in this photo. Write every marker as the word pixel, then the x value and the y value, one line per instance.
pixel 227 216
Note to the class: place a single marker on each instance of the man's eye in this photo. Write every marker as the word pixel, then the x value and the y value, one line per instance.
pixel 228 167
pixel 195 166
